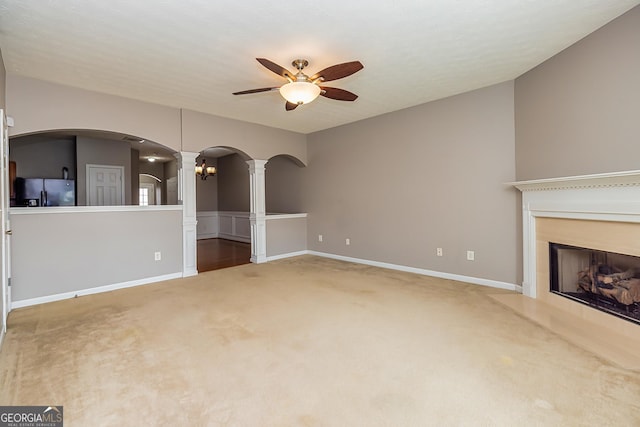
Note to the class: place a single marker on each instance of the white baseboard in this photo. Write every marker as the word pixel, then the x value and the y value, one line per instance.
pixel 225 236
pixel 149 280
pixel 449 276
pixel 190 273
pixel 235 237
pixel 287 255
pixel 207 236
pixel 97 290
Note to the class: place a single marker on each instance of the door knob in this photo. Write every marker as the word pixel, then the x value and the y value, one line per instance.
pixel 9 232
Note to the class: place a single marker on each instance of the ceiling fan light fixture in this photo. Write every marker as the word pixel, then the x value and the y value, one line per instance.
pixel 300 92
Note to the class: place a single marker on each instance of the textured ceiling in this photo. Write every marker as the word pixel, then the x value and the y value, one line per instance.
pixel 194 53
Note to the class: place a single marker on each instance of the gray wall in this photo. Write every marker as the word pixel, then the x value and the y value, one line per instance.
pixel 101 152
pixel 201 131
pixel 152 168
pixel 402 184
pixel 91 249
pixel 283 185
pixel 207 189
pixel 41 157
pixel 579 112
pixel 40 106
pixel 285 236
pixel 233 184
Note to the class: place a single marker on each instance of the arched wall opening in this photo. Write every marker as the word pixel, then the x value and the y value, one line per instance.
pixel 224 207
pixel 82 242
pixel 78 153
pixel 284 192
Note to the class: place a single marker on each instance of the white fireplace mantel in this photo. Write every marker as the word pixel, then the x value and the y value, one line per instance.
pixel 600 197
pixel 614 179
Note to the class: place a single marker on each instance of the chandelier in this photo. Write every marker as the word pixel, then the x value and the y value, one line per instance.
pixel 205 171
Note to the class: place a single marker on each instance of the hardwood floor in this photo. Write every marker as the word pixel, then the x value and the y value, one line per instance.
pixel 214 254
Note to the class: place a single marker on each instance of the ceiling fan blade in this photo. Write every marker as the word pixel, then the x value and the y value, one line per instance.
pixel 276 68
pixel 290 106
pixel 339 71
pixel 339 94
pixel 263 89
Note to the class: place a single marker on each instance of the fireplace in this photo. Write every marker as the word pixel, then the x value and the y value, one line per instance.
pixel 593 221
pixel 606 281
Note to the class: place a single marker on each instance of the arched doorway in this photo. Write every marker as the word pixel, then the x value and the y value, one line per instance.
pixel 222 209
pixel 233 204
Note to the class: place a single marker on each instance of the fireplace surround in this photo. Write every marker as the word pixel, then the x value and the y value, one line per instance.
pixel 600 211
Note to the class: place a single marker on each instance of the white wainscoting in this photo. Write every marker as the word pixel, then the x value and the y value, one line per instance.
pixel 208 225
pixel 235 226
pixel 224 225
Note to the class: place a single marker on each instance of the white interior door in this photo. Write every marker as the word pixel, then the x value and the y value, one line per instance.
pixel 4 217
pixel 105 186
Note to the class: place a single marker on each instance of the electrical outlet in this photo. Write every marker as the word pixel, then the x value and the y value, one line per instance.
pixel 439 251
pixel 347 242
pixel 319 237
pixel 471 255
pixel 158 256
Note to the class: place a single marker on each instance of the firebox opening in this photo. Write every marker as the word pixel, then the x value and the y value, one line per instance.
pixel 607 281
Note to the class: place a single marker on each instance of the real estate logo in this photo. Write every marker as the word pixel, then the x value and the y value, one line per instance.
pixel 31 416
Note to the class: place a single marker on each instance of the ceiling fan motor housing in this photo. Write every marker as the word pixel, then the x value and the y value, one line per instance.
pixel 300 64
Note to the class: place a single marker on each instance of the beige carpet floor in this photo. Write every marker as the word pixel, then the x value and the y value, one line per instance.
pixel 306 341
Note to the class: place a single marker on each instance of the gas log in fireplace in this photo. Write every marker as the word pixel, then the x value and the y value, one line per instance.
pixel 607 281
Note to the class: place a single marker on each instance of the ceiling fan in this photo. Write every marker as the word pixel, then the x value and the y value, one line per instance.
pixel 302 89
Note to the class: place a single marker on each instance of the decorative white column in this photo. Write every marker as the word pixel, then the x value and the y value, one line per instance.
pixel 187 198
pixel 258 213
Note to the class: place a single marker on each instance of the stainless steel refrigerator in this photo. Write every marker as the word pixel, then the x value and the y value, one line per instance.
pixel 45 192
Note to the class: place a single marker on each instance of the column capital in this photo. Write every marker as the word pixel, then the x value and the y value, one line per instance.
pixel 256 165
pixel 185 156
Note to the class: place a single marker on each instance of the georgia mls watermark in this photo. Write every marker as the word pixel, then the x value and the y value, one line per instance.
pixel 31 416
